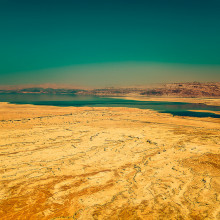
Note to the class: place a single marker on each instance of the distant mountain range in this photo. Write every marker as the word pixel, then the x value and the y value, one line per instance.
pixel 194 89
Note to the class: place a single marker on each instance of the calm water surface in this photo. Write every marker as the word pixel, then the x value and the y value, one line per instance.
pixel 175 108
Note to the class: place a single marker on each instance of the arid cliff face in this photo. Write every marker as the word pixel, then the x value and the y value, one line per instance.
pixel 194 89
pixel 107 163
pixel 186 90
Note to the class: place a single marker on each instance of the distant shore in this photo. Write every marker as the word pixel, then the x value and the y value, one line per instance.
pixel 207 101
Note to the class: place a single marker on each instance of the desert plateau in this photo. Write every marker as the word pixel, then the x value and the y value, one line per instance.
pixel 107 163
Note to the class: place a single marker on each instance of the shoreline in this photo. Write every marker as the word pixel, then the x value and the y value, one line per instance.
pixel 207 101
pixel 157 99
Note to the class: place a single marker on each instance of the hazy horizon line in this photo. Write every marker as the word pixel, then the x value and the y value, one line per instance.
pixel 68 86
pixel 115 74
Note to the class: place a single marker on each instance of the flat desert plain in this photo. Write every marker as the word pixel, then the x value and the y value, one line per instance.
pixel 107 163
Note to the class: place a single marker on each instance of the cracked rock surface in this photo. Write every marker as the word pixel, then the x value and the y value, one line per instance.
pixel 107 163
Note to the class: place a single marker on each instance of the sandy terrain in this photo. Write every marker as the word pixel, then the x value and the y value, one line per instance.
pixel 107 163
pixel 215 112
pixel 207 101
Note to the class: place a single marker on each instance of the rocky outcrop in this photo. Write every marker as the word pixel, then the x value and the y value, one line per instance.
pixel 194 89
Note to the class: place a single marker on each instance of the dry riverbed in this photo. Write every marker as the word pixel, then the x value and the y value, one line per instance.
pixel 107 163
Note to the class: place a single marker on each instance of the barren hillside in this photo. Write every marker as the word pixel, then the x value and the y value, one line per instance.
pixel 194 89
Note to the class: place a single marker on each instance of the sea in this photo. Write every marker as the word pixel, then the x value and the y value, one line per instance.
pixel 64 100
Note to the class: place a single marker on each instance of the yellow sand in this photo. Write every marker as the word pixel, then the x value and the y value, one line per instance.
pixel 107 163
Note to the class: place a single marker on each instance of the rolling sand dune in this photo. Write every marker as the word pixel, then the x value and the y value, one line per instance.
pixel 107 163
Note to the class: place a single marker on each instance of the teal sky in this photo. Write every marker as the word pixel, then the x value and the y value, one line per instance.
pixel 109 42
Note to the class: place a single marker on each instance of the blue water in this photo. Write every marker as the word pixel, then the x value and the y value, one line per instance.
pixel 174 108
